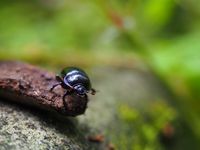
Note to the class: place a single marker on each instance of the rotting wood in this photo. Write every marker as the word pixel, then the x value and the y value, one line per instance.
pixel 27 84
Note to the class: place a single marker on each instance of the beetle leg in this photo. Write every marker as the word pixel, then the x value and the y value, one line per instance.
pixel 66 93
pixel 60 82
pixel 55 85
pixel 58 78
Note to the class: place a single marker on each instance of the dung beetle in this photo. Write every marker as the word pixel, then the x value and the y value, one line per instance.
pixel 74 80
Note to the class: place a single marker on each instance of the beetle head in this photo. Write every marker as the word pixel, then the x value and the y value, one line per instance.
pixel 80 90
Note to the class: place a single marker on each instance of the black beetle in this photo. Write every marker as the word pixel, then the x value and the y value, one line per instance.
pixel 74 80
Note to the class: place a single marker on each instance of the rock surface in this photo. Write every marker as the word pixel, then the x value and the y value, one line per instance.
pixel 26 128
pixel 23 127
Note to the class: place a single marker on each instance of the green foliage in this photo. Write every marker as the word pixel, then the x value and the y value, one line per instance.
pixel 177 63
pixel 44 27
pixel 141 129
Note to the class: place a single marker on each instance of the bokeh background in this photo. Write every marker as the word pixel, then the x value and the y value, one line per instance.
pixel 116 37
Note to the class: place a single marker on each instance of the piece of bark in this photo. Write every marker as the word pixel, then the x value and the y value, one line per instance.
pixel 27 84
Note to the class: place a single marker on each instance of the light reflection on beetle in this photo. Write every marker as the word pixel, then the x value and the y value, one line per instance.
pixel 74 80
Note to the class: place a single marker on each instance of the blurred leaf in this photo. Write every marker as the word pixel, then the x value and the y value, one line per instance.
pixel 156 13
pixel 177 63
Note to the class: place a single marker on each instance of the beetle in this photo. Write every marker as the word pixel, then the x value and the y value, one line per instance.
pixel 74 80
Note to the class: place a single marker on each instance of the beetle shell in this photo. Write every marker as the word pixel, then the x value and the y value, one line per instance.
pixel 74 76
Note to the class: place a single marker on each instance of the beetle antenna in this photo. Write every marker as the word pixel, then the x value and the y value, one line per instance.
pixel 93 91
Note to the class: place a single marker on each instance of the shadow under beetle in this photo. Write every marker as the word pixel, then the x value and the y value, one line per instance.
pixel 74 80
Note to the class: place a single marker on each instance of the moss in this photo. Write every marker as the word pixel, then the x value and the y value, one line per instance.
pixel 140 129
pixel 128 114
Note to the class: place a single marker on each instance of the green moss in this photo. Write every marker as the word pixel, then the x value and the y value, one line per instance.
pixel 128 114
pixel 140 129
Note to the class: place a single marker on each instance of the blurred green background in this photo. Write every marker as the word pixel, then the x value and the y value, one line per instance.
pixel 161 36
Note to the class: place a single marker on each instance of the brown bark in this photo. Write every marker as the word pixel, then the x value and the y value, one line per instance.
pixel 27 84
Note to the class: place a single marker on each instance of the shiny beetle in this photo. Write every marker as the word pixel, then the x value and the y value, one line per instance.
pixel 74 80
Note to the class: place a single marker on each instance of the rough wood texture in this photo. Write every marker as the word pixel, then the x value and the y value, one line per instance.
pixel 27 84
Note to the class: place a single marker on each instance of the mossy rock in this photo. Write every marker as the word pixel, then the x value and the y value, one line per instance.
pixel 29 128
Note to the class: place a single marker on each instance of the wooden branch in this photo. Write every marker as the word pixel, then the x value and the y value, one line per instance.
pixel 27 84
